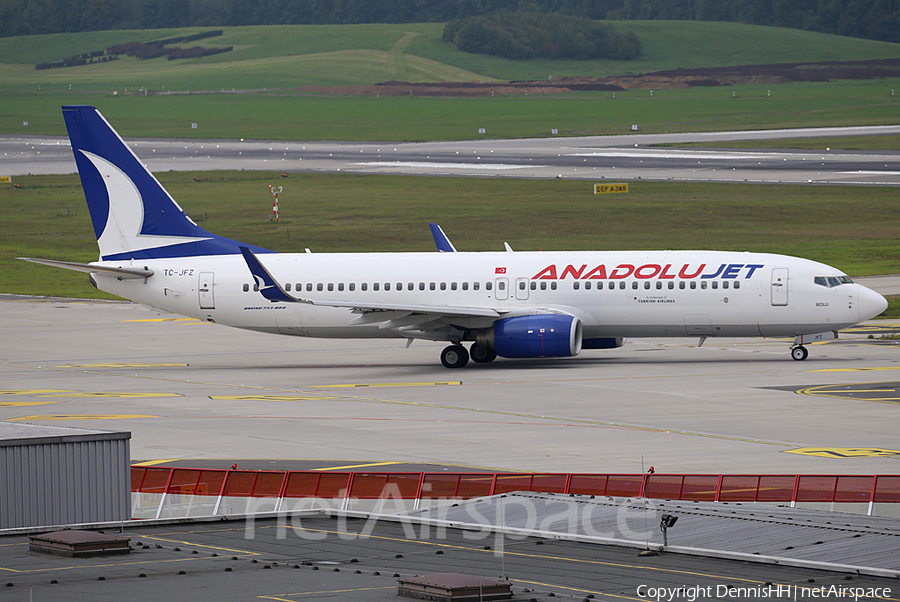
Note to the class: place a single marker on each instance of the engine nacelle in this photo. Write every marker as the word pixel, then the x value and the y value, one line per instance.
pixel 603 343
pixel 544 335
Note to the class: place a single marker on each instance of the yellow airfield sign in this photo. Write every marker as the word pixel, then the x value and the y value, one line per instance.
pixel 608 188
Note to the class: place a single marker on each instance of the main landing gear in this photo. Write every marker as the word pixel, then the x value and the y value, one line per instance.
pixel 799 353
pixel 456 356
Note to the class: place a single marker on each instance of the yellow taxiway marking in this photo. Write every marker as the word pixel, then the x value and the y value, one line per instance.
pixel 79 417
pixel 18 404
pixel 330 591
pixel 358 466
pixel 274 397
pixel 89 394
pixel 119 395
pixel 856 392
pixel 154 462
pixel 856 369
pixel 364 385
pixel 167 320
pixel 845 452
pixel 41 392
pixel 117 365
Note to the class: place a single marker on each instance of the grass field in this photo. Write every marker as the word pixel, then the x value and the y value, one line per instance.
pixel 268 116
pixel 281 59
pixel 851 228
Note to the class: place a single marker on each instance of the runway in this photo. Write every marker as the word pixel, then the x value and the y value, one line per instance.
pixel 191 390
pixel 633 157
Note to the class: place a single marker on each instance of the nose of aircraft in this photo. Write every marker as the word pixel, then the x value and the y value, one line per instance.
pixel 870 304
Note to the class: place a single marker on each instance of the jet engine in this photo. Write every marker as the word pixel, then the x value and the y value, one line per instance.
pixel 544 335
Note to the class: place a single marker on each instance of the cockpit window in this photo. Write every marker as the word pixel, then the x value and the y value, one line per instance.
pixel 832 281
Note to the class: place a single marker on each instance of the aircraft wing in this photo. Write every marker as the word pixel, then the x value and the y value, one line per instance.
pixel 273 291
pixel 87 268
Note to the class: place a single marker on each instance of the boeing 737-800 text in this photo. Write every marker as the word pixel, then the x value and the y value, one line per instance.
pixel 507 304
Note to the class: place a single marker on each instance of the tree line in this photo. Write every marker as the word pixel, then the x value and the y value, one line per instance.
pixel 873 19
pixel 521 36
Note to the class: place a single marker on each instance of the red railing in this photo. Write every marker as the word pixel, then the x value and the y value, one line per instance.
pixel 415 485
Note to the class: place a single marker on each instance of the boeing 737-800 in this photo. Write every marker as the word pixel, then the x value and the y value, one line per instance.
pixel 507 304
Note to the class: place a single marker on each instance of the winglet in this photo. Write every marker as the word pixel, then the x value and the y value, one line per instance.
pixel 440 239
pixel 268 286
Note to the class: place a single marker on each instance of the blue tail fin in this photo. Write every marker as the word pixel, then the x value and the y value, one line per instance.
pixel 133 215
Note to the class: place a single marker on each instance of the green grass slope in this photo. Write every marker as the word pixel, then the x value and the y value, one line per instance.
pixel 290 56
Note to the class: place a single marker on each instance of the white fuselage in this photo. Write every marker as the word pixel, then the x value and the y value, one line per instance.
pixel 613 293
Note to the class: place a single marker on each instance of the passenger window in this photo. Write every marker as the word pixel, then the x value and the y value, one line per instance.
pixel 431 286
pixel 681 285
pixel 671 285
pixel 487 286
pixel 725 284
pixel 246 287
pixel 319 287
pixel 421 286
pixel 375 286
pixel 341 286
pixel 575 285
pixel 543 286
pixel 501 286
pixel 452 286
pixel 387 286
pixel 737 284
pixel 622 286
pixel 465 286
pixel 553 285
pixel 287 286
pixel 476 286
pixel 715 284
pixel 410 286
pixel 634 285
pixel 646 286
pixel 587 285
pixel 693 284
pixel 443 286
pixel 364 286
pixel 702 284
pixel 256 288
pixel 399 286
pixel 533 285
pixel 522 285
pixel 352 286
pixel 330 286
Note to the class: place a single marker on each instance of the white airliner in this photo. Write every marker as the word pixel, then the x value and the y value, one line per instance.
pixel 507 304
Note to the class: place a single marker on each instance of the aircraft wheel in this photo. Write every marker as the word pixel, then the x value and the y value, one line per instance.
pixel 454 356
pixel 481 354
pixel 799 353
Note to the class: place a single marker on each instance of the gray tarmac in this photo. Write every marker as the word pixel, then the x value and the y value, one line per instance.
pixel 630 157
pixel 189 390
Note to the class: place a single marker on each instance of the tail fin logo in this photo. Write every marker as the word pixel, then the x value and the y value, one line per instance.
pixel 125 219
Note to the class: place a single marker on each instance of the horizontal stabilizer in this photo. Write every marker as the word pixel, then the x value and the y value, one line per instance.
pixel 87 268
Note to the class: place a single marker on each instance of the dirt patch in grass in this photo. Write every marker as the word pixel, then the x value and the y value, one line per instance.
pixel 779 73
